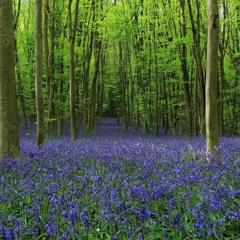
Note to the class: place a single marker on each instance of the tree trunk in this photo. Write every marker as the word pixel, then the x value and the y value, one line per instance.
pixel 92 101
pixel 222 51
pixel 212 124
pixel 50 71
pixel 199 68
pixel 185 70
pixel 20 88
pixel 20 94
pixel 101 87
pixel 9 137
pixel 165 106
pixel 122 80
pixel 39 73
pixel 45 41
pixel 72 34
pixel 61 98
pixel 97 58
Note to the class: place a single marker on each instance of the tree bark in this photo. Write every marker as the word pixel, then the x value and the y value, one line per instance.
pixel 199 68
pixel 185 70
pixel 20 93
pixel 61 97
pixel 50 71
pixel 9 137
pixel 122 81
pixel 39 73
pixel 72 35
pixel 222 51
pixel 212 123
pixel 97 58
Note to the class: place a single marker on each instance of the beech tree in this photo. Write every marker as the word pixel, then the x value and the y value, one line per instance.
pixel 212 123
pixel 183 55
pixel 49 16
pixel 199 64
pixel 97 58
pixel 72 28
pixel 141 62
pixel 9 136
pixel 39 73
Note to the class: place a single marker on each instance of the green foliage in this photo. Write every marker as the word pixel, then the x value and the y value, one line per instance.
pixel 151 38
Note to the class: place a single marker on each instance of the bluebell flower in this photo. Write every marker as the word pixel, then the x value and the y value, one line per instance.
pixel 62 200
pixel 31 154
pixel 176 220
pixel 233 215
pixel 73 203
pixel 140 236
pixel 144 213
pixel 51 228
pixel 171 204
pixel 6 233
pixel 17 225
pixel 53 201
pixel 126 180
pixel 84 218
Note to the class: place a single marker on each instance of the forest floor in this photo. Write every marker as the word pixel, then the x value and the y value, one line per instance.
pixel 120 185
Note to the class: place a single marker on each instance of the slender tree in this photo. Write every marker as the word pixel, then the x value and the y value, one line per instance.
pixel 183 52
pixel 20 93
pixel 199 67
pixel 50 71
pixel 39 73
pixel 97 57
pixel 212 123
pixel 9 135
pixel 223 42
pixel 72 27
pixel 126 62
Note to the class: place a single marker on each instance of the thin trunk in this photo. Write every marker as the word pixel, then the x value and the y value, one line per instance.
pixel 97 57
pixel 185 70
pixel 92 102
pixel 222 51
pixel 72 27
pixel 61 99
pixel 86 69
pixel 39 73
pixel 199 68
pixel 122 80
pixel 50 71
pixel 20 88
pixel 196 107
pixel 18 70
pixel 45 42
pixel 101 87
pixel 165 106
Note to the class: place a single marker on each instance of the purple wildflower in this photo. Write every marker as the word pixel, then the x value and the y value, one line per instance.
pixel 51 228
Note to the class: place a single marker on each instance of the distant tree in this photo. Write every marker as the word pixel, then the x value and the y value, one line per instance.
pixel 39 73
pixel 139 61
pixel 97 43
pixel 86 43
pixel 9 136
pixel 49 14
pixel 198 60
pixel 183 55
pixel 223 42
pixel 212 123
pixel 72 28
pixel 20 93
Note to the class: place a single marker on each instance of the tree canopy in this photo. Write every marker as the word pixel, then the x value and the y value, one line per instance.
pixel 140 61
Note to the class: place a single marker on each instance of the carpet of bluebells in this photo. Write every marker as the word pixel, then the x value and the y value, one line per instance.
pixel 117 185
